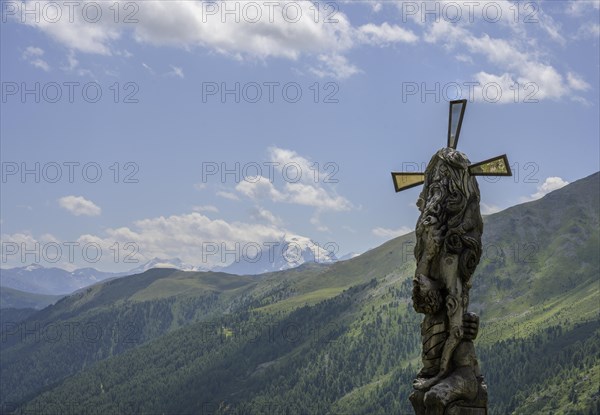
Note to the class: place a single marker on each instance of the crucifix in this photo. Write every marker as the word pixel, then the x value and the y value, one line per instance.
pixel 496 166
pixel 447 251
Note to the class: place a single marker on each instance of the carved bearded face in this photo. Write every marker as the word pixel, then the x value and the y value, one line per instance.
pixel 427 297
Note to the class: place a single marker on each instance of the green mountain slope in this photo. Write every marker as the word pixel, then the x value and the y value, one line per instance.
pixel 341 338
pixel 541 262
pixel 11 298
pixel 105 320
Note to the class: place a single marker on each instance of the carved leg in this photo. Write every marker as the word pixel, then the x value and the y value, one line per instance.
pixel 417 400
pixel 461 384
pixel 434 403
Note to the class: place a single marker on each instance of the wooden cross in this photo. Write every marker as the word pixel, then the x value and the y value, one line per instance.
pixel 496 166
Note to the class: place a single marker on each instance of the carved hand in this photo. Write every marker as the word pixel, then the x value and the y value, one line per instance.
pixel 423 384
pixel 470 326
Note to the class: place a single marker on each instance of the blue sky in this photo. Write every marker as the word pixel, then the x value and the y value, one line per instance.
pixel 331 97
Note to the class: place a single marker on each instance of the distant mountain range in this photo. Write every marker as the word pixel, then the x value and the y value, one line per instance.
pixel 290 252
pixel 37 279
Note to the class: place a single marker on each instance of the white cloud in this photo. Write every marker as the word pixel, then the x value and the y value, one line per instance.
pixel 27 238
pixel 391 233
pixel 33 54
pixel 193 237
pixel 204 25
pixel 588 30
pixel 33 51
pixel 191 24
pixel 334 66
pixel 519 17
pixel 22 248
pixel 550 184
pixel 518 66
pixel 552 28
pixel 579 7
pixel 200 186
pixel 385 34
pixel 78 205
pixel 260 188
pixel 205 208
pixel 501 52
pixel 464 58
pixel 581 100
pixel 263 30
pixel 488 209
pixel 316 221
pixel 40 63
pixel 186 24
pixel 576 82
pixel 227 195
pixel 72 60
pixel 176 71
pixel 187 237
pixel 303 184
pixel 264 216
pixel 77 35
pixel 18 238
pixel 19 249
pixel 496 88
pixel 125 53
pixel 73 66
pixel 316 196
pixel 148 68
pixel 183 236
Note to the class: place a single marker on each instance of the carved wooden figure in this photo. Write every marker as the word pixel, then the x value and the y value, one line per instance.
pixel 447 252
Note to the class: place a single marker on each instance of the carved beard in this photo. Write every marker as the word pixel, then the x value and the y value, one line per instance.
pixel 433 209
pixel 426 300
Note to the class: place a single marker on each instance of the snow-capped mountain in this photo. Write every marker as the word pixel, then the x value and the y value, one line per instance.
pixel 165 263
pixel 290 252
